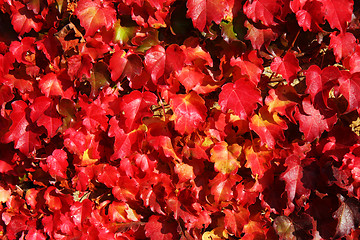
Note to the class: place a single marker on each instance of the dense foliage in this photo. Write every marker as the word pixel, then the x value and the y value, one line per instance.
pixel 171 119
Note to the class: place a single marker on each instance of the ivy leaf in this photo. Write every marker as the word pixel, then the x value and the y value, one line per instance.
pixel 125 143
pixel 352 63
pixel 288 66
pixel 225 160
pixel 34 234
pixel 94 117
pixel 314 82
pixel 203 12
pixel 81 212
pixel 292 177
pixel 57 163
pixel 107 174
pixel 160 228
pixel 159 61
pixel 22 132
pixel 241 97
pixel 252 66
pixel 312 122
pixel 221 186
pixel 262 10
pixel 52 84
pixel 338 13
pixel 342 44
pixel 50 45
pixel 44 113
pixel 284 227
pixel 24 20
pixel 236 219
pixel 189 112
pixel 258 159
pixel 269 126
pixel 349 88
pixel 259 37
pixel 283 100
pixel 78 66
pixel 125 65
pixel 310 16
pixel 155 62
pixel 136 106
pixel 348 215
pixel 95 14
pixel 190 77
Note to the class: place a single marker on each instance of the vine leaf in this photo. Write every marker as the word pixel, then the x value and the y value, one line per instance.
pixel 203 12
pixel 189 112
pixel 288 66
pixel 312 122
pixel 95 14
pixel 241 97
pixel 338 13
pixel 22 131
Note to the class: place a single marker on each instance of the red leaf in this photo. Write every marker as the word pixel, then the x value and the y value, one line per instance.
pixel 81 212
pixel 312 122
pixel 235 220
pixel 292 177
pixel 258 159
pixel 342 44
pixel 5 94
pixel 125 143
pixel 24 20
pixel 56 85
pixel 349 88
pixel 22 132
pixel 203 12
pixel 50 45
pixel 6 63
pixel 252 66
pixel 283 100
pixel 21 50
pixel 175 58
pixel 94 116
pixel 190 77
pixel 269 126
pixel 34 234
pixel 125 65
pixel 136 106
pixel 160 228
pixel 225 160
pixel 189 112
pixel 79 65
pixel 262 10
pixel 314 82
pixel 338 13
pixel 353 62
pixel 144 162
pixel 348 216
pixel 310 16
pixel 221 186
pixel 288 66
pixel 259 37
pixel 57 163
pixel 155 60
pixel 108 175
pixel 241 97
pixel 95 14
pixel 44 113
